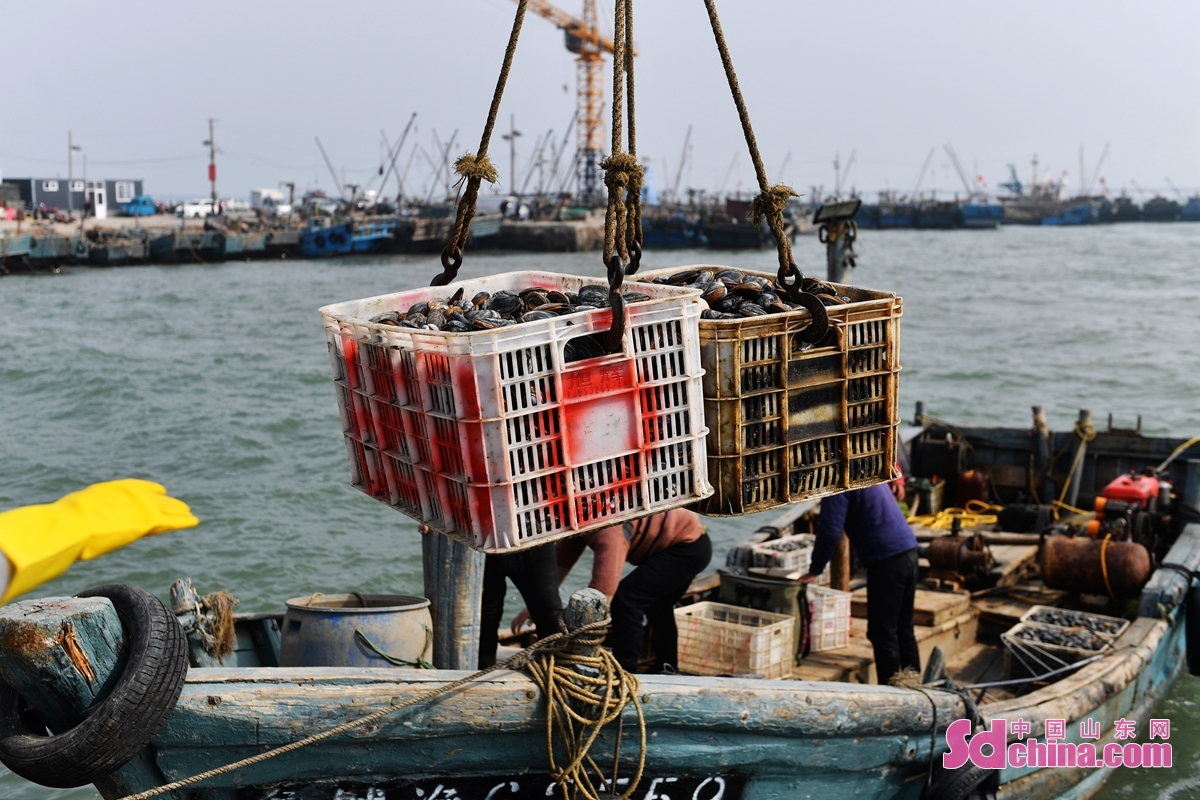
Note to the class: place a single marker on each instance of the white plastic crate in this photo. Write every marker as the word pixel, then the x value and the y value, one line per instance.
pixel 830 611
pixel 720 639
pixel 792 552
pixel 492 437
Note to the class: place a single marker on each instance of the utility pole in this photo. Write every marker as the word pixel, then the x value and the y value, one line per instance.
pixel 511 138
pixel 211 143
pixel 71 149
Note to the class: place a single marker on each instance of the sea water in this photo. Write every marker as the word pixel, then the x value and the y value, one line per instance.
pixel 215 381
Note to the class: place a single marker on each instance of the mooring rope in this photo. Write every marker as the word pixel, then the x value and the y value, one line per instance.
pixel 584 693
pixel 771 200
pixel 516 662
pixel 477 167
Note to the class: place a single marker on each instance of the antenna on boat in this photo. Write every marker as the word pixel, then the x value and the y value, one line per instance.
pixel 332 171
pixel 924 167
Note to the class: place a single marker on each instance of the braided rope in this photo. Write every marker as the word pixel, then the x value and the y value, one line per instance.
pixel 771 200
pixel 623 174
pixel 516 662
pixel 476 167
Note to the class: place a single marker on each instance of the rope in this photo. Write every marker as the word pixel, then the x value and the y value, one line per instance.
pixel 476 167
pixel 516 662
pixel 1175 453
pixel 1086 433
pixel 771 201
pixel 1071 508
pixel 623 174
pixel 972 516
pixel 584 693
pixel 1104 565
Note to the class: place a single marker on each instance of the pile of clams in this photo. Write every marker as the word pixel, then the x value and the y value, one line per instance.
pixel 485 312
pixel 731 294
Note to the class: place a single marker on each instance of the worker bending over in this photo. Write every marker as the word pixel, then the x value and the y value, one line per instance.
pixel 668 550
pixel 886 546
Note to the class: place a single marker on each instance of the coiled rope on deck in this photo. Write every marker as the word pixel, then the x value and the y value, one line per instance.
pixel 771 200
pixel 584 693
pixel 616 682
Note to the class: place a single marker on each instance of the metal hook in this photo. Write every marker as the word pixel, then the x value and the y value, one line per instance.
pixel 635 257
pixel 819 326
pixel 452 259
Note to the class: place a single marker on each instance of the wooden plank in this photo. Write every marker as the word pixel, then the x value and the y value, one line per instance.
pixel 1010 559
pixel 929 607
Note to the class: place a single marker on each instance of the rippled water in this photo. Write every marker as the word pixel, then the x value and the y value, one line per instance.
pixel 214 380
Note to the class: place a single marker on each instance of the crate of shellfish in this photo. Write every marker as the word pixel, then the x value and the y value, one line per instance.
pixel 1032 649
pixel 488 410
pixel 1082 621
pixel 792 419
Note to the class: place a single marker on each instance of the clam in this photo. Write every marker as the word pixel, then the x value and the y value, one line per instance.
pixel 749 309
pixel 418 308
pixel 731 277
pixel 635 297
pixel 505 303
pixel 415 321
pixel 560 297
pixel 537 314
pixel 479 299
pixel 388 318
pixel 685 278
pixel 714 291
pixel 436 318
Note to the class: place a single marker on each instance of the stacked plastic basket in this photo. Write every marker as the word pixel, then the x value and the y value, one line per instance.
pixel 495 438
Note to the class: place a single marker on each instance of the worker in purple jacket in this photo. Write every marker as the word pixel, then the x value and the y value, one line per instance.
pixel 886 546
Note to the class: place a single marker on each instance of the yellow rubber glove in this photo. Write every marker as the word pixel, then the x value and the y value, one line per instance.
pixel 42 541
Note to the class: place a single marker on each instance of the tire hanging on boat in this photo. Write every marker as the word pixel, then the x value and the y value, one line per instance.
pixel 124 722
pixel 968 782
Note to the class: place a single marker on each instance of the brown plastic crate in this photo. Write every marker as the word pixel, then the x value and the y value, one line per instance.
pixel 790 422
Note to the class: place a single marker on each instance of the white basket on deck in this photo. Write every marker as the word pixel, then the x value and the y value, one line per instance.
pixel 830 611
pixel 720 639
pixel 493 438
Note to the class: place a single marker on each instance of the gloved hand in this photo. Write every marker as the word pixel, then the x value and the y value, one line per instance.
pixel 42 541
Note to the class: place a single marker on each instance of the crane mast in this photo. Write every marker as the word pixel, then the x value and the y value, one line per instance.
pixel 582 35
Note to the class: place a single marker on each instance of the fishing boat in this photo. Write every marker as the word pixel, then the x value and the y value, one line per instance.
pixel 826 732
pixel 669 231
pixel 1082 211
pixel 326 236
pixel 981 215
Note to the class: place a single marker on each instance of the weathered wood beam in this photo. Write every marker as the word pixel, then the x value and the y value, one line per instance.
pixel 454 586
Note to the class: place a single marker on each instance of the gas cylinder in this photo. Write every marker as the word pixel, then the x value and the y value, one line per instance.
pixel 1073 564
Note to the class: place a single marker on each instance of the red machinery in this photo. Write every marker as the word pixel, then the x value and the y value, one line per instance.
pixel 1132 507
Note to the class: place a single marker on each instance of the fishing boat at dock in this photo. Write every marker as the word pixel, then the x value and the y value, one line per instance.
pixel 827 731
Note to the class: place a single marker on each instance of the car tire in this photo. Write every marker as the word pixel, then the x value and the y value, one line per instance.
pixel 123 724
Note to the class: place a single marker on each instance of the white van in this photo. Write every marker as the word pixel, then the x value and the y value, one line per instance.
pixel 270 202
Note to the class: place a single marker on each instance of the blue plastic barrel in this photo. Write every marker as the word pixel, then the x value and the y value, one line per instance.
pixel 357 630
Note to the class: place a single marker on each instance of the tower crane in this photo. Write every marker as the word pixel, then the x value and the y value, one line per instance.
pixel 582 36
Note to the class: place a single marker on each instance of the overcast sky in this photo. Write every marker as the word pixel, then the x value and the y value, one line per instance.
pixel 885 80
